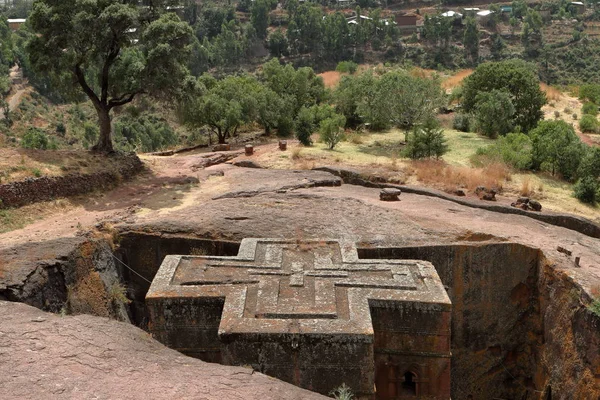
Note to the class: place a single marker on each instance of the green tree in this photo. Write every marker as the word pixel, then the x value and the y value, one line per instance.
pixel 494 112
pixel 230 46
pixel 519 8
pixel 353 91
pixel 223 105
pixel 590 164
pixel 587 190
pixel 471 40
pixel 278 44
pixel 531 36
pixel 336 36
pixel 114 51
pixel 556 148
pixel 298 87
pixel 497 47
pixel 272 110
pixel 331 130
pixel 304 126
pixel 515 77
pixel 408 100
pixel 259 15
pixel 305 30
pixel 426 141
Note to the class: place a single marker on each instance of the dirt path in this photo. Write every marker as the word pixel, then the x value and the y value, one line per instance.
pixel 166 184
pixel 20 89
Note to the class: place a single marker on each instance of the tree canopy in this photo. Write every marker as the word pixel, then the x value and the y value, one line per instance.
pixel 515 77
pixel 114 50
pixel 556 148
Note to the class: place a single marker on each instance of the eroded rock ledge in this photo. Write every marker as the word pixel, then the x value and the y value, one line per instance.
pixel 33 190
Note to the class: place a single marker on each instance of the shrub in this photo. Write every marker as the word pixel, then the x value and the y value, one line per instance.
pixel 146 133
pixel 513 149
pixel 590 92
pixel 556 114
pixel 556 148
pixel 462 122
pixel 348 67
pixel 342 393
pixel 574 116
pixel 34 138
pixel 331 130
pixel 426 141
pixel 588 124
pixel 90 134
pixel 285 125
pixel 61 129
pixel 594 306
pixel 494 112
pixel 590 164
pixel 304 126
pixel 590 109
pixel 586 190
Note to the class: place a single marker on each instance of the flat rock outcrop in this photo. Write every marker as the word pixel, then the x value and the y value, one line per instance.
pixel 45 356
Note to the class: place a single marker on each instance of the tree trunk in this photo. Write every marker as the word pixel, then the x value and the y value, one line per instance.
pixel 104 144
pixel 221 136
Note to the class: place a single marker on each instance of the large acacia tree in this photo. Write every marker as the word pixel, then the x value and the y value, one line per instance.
pixel 114 51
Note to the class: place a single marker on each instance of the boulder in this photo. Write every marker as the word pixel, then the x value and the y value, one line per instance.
pixel 222 147
pixel 535 205
pixel 489 196
pixel 245 164
pixel 390 194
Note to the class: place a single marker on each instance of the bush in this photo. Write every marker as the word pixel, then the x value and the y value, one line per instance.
pixel 556 148
pixel 331 130
pixel 494 112
pixel 588 124
pixel 590 92
pixel 304 126
pixel 90 134
pixel 61 129
pixel 426 141
pixel 347 67
pixel 34 138
pixel 590 109
pixel 590 164
pixel 146 133
pixel 463 122
pixel 586 190
pixel 513 149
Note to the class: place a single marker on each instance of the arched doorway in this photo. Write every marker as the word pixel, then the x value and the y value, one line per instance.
pixel 408 385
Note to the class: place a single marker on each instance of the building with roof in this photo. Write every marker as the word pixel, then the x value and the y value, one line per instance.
pixel 15 23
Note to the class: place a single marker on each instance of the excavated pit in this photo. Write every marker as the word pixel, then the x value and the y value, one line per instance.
pixel 520 328
pixel 501 293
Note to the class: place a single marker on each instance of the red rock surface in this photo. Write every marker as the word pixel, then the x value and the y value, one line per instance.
pixel 46 356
